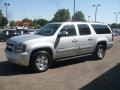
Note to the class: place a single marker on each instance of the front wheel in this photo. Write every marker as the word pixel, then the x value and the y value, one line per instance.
pixel 99 52
pixel 41 61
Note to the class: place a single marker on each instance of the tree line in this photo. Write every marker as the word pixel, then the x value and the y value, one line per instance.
pixel 61 15
pixel 115 26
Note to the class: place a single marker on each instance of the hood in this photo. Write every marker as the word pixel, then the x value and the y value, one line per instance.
pixel 23 38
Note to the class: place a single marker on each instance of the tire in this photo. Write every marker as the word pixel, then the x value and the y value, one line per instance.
pixel 40 61
pixel 100 52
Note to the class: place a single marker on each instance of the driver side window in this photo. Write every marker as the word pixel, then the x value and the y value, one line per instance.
pixel 70 29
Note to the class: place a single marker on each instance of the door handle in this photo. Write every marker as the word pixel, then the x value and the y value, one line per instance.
pixel 74 41
pixel 90 39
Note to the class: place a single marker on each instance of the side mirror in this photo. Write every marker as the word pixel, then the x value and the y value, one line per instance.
pixel 63 33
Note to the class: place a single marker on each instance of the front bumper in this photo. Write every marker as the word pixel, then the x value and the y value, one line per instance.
pixel 109 45
pixel 18 58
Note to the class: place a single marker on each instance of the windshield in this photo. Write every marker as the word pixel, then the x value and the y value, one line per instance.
pixel 48 30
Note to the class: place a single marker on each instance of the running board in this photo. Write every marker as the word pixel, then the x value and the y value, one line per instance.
pixel 67 58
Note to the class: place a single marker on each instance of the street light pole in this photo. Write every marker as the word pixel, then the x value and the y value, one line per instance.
pixel 74 11
pixel 74 6
pixel 96 7
pixel 116 15
pixel 6 5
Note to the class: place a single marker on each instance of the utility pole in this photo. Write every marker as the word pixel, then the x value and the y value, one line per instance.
pixel 116 15
pixel 74 10
pixel 96 7
pixel 6 5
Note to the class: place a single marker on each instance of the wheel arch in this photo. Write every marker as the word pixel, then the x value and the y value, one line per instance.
pixel 47 49
pixel 102 43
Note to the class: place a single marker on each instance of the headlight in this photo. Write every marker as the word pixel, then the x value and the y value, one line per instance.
pixel 20 48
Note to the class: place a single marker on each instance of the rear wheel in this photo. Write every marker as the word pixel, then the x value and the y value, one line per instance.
pixel 40 61
pixel 100 52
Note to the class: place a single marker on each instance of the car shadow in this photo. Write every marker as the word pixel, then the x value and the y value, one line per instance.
pixel 110 80
pixel 63 63
pixel 8 69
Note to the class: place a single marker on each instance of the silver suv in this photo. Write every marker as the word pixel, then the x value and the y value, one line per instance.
pixel 56 41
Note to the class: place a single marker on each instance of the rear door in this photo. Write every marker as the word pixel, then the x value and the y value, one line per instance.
pixel 86 39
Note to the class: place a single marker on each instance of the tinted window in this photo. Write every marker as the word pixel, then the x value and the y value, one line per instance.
pixel 84 29
pixel 70 29
pixel 101 29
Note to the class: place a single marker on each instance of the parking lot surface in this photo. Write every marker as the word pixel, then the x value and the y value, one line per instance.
pixel 83 73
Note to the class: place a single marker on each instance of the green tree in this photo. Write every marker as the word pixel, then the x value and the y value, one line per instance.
pixel 61 15
pixel 3 20
pixel 114 25
pixel 34 24
pixel 42 22
pixel 118 26
pixel 37 23
pixel 26 20
pixel 12 24
pixel 78 16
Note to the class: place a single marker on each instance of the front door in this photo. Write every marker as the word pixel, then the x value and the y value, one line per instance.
pixel 67 45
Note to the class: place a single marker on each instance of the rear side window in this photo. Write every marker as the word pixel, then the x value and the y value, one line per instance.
pixel 84 29
pixel 101 29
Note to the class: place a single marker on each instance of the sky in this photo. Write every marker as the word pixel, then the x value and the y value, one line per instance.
pixel 35 9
